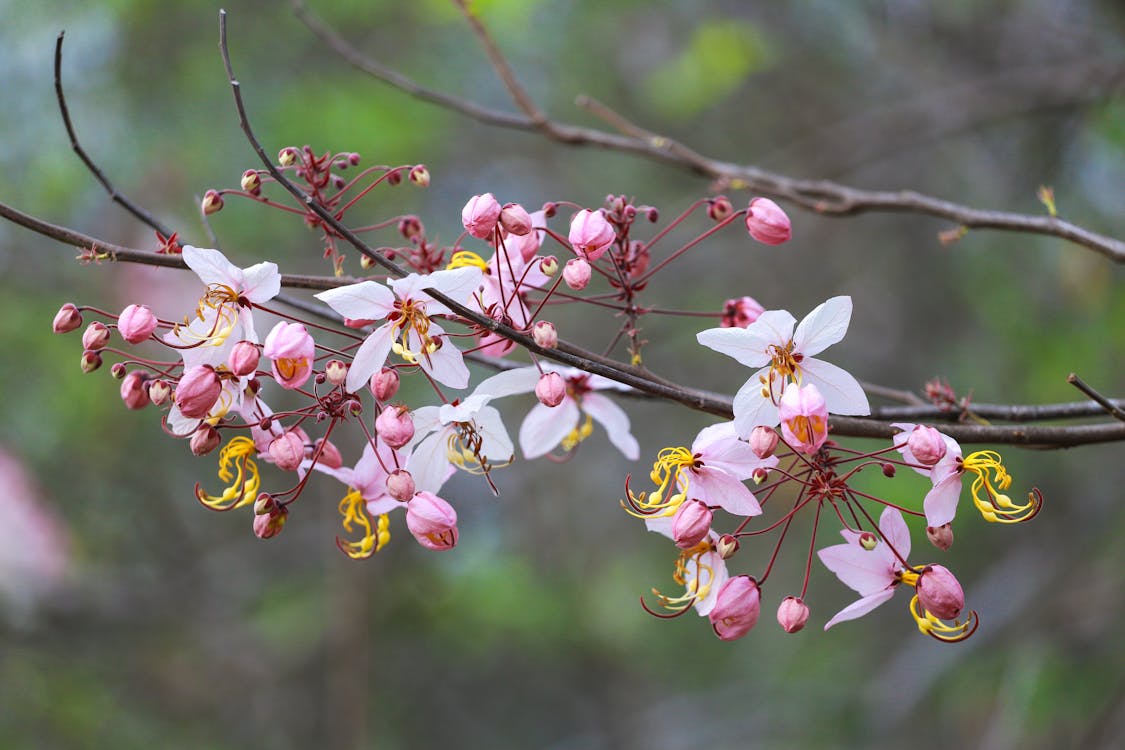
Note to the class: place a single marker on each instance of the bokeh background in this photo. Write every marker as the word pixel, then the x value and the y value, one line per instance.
pixel 130 616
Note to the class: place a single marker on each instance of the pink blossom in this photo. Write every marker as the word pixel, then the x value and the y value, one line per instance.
pixel 198 390
pixel 873 572
pixel 591 234
pixel 134 390
pixel 545 334
pixel 551 389
pixel 292 351
pixel 384 384
pixel 763 441
pixel 136 323
pixel 736 609
pixel 792 614
pixel 767 223
pixel 691 523
pixel 576 273
pixel 432 521
pixel 804 418
pixel 400 485
pixel 927 445
pixel 204 440
pixel 395 426
pixel 244 358
pixel 95 337
pixel 515 220
pixel 941 501
pixel 940 593
pixel 287 451
pixel 269 524
pixel 67 319
pixel 740 312
pixel 480 214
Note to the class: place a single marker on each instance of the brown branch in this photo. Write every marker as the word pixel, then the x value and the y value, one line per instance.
pixel 1114 410
pixel 825 197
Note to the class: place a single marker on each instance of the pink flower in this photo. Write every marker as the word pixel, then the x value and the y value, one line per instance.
pixel 134 390
pixel 95 337
pixel 545 334
pixel 551 389
pixel 480 214
pixel 591 234
pixel 515 220
pixel 244 358
pixel 736 609
pixel 576 273
pixel 384 384
pixel 400 485
pixel 792 614
pixel 136 323
pixel 763 441
pixel 804 418
pixel 940 593
pixel 292 350
pixel 287 451
pixel 767 223
pixel 432 521
pixel 927 445
pixel 395 426
pixel 719 464
pixel 198 390
pixel 872 573
pixel 741 312
pixel 67 319
pixel 691 524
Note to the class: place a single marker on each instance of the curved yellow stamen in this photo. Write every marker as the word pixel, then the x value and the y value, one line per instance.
pixel 354 510
pixel 236 467
pixel 697 587
pixel 466 258
pixel 668 476
pixel 224 301
pixel 463 449
pixel 940 630
pixel 578 434
pixel 411 317
pixel 992 478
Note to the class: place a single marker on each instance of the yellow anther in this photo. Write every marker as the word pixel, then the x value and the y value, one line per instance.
pixel 466 258
pixel 693 575
pixel 671 485
pixel 578 434
pixel 940 630
pixel 988 486
pixel 236 467
pixel 354 510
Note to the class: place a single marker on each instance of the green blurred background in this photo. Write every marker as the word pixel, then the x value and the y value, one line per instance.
pixel 132 617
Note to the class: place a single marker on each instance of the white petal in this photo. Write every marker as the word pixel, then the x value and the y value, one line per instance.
pixel 212 267
pixel 369 358
pixel 366 300
pixel 615 421
pixel 180 425
pixel 824 326
pixel 261 282
pixel 545 427
pixel 446 365
pixel 509 383
pixel 458 284
pixel 429 462
pixel 495 445
pixel 842 392
pixel 751 408
pixel 716 578
pixel 860 607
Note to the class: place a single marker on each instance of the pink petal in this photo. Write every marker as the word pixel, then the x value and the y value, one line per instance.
pixel 861 607
pixel 896 532
pixel 716 487
pixel 824 326
pixel 545 427
pixel 717 577
pixel 615 421
pixel 941 501
pixel 863 571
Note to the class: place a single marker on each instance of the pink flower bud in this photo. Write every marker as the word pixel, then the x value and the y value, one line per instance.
pixel 204 440
pixel 410 227
pixel 545 334
pixel 395 426
pixel 940 536
pixel 329 455
pixel 888 469
pixel 136 323
pixel 400 485
pixel 67 319
pixel 551 389
pixel 287 451
pixel 269 525
pixel 336 372
pixel 727 546
pixel 719 208
pixel 252 182
pixel 760 475
pixel 940 593
pixel 212 202
pixel 134 390
pixel 287 156
pixel 244 358
pixel 549 266
pixel 419 175
pixel 198 390
pixel 767 223
pixel 591 234
pixel 479 216
pixel 576 274
pixel 691 523
pixel 740 312
pixel 394 177
pixel 158 392
pixel 515 219
pixel 264 503
pixel 736 608
pixel 95 337
pixel 804 418
pixel 868 541
pixel 432 521
pixel 763 441
pixel 792 614
pixel 91 361
pixel 926 445
pixel 118 371
pixel 292 350
pixel 384 384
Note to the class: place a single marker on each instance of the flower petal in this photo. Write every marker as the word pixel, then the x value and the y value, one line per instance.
pixel 545 427
pixel 429 462
pixel 446 364
pixel 842 392
pixel 715 487
pixel 369 358
pixel 495 445
pixel 615 421
pixel 863 571
pixel 366 300
pixel 457 283
pixel 261 282
pixel 941 501
pixel 896 533
pixel 751 408
pixel 861 607
pixel 824 326
pixel 212 267
pixel 749 345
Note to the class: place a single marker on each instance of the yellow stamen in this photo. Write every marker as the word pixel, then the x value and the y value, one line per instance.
pixel 668 475
pixel 236 467
pixel 466 258
pixel 463 449
pixel 696 587
pixel 354 510
pixel 224 301
pixel 578 434
pixel 940 630
pixel 993 478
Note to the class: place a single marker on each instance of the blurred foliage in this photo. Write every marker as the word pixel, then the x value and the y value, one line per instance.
pixel 179 629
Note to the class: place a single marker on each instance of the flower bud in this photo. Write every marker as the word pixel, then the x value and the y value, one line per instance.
pixel 940 536
pixel 432 521
pixel 763 441
pixel 91 361
pixel 549 266
pixel 576 274
pixel 212 202
pixel 400 485
pixel 926 445
pixel 740 312
pixel 479 216
pixel 590 234
pixel 551 389
pixel 287 451
pixel 868 541
pixel 136 323
pixel 264 503
pixel 158 392
pixel 95 337
pixel 67 319
pixel 410 227
pixel 804 418
pixel 204 440
pixel 336 372
pixel 760 475
pixel 252 182
pixel 394 177
pixel 287 156
pixel 515 219
pixel 792 614
pixel 328 455
pixel 134 390
pixel 736 609
pixel 691 523
pixel 727 546
pixel 384 384
pixel 767 223
pixel 889 470
pixel 292 350
pixel 719 208
pixel 269 525
pixel 545 334
pixel 118 371
pixel 939 592
pixel 244 358
pixel 198 390
pixel 420 176
pixel 395 426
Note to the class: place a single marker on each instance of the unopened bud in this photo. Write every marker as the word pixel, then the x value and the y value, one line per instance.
pixel 736 609
pixel 576 273
pixel 940 536
pixel 480 214
pixel 691 523
pixel 353 158
pixel 67 319
pixel 926 445
pixel 888 469
pixel 244 358
pixel 287 156
pixel 327 453
pixel 91 361
pixel 198 390
pixel 740 312
pixel 400 485
pixel 336 372
pixel 549 265
pixel 384 384
pixel 763 441
pixel 136 323
pixel 515 219
pixel 264 503
pixel 212 202
pixel 158 392
pixel 395 426
pixel 287 451
pixel 365 262
pixel 727 546
pixel 269 525
pixel 394 177
pixel 118 370
pixel 252 182
pixel 767 223
pixel 719 208
pixel 134 390
pixel 545 334
pixel 868 541
pixel 410 227
pixel 95 337
pixel 204 440
pixel 420 176
pixel 760 475
pixel 792 614
pixel 940 593
pixel 551 389
pixel 432 521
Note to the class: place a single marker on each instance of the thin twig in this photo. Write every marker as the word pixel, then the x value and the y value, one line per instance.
pixel 1104 402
